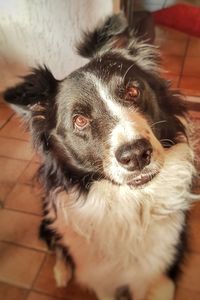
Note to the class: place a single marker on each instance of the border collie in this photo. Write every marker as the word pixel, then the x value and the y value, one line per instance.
pixel 117 166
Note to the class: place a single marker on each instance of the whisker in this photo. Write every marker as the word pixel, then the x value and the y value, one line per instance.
pixel 168 141
pixel 128 71
pixel 162 121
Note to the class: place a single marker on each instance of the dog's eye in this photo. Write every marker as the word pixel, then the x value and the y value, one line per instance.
pixel 80 122
pixel 132 92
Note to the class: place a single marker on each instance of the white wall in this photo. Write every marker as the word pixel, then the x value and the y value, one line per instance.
pixel 44 32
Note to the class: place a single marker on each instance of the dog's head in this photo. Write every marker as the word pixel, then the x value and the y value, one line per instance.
pixel 112 118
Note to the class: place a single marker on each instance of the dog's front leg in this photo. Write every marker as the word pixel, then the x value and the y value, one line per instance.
pixel 121 293
pixel 104 296
pixel 162 289
pixel 62 269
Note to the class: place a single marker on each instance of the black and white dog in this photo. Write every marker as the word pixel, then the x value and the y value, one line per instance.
pixel 118 166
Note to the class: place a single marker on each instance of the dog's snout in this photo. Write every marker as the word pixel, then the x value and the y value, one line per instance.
pixel 134 156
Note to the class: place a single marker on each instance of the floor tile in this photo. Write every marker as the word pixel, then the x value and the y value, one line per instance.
pixel 172 64
pixel 16 149
pixel 190 85
pixel 174 79
pixel 1 99
pixel 37 296
pixel 184 294
pixel 46 283
pixel 194 224
pixel 172 47
pixel 9 292
pixel 167 33
pixel 19 266
pixel 194 47
pixel 15 128
pixel 37 158
pixel 29 174
pixel 194 115
pixel 5 114
pixel 191 273
pixel 23 230
pixel 25 198
pixel 193 99
pixel 10 171
pixel 191 66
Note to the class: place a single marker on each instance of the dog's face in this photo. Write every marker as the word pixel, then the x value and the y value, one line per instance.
pixel 114 117
pixel 106 111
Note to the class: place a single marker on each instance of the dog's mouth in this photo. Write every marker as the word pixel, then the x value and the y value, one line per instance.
pixel 142 179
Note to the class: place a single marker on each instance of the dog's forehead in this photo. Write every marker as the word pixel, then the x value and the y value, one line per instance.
pixel 111 64
pixel 95 85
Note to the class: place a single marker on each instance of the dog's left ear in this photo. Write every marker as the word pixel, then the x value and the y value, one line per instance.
pixel 112 33
pixel 38 88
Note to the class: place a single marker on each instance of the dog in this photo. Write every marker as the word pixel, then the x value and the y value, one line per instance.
pixel 117 166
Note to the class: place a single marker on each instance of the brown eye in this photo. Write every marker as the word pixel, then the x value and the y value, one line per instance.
pixel 80 122
pixel 132 92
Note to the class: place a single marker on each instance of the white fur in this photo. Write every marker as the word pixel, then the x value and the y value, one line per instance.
pixel 119 235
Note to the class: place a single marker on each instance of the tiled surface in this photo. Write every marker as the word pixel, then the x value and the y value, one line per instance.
pixel 10 171
pixel 181 59
pixel 26 269
pixel 37 296
pixel 45 283
pixel 22 230
pixel 14 148
pixel 25 198
pixel 5 114
pixel 11 292
pixel 19 265
pixel 15 129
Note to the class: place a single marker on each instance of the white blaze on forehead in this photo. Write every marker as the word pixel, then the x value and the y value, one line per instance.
pixel 125 130
pixel 115 108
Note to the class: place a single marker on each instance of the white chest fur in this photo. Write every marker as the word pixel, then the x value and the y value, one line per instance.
pixel 119 235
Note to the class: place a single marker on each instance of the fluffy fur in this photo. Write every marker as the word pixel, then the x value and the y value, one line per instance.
pixel 115 221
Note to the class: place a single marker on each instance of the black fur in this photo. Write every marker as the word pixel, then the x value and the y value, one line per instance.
pixel 112 30
pixel 39 86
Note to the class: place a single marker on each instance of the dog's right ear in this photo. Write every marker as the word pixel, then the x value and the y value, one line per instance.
pixel 112 33
pixel 38 88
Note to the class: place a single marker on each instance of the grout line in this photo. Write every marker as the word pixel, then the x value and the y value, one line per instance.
pixel 22 211
pixel 184 58
pixel 15 285
pixel 13 138
pixel 37 274
pixel 47 294
pixel 14 183
pixel 20 159
pixel 12 158
pixel 24 247
pixel 6 122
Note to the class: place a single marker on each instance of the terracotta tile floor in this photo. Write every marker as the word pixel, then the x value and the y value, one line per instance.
pixel 25 264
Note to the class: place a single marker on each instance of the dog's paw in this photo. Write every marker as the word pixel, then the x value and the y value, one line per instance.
pixel 62 274
pixel 164 289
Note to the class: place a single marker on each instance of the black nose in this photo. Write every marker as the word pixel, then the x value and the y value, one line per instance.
pixel 134 156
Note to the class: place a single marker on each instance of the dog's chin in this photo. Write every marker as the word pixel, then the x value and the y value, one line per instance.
pixel 142 180
pixel 139 180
